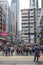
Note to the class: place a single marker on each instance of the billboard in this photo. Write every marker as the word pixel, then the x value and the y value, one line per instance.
pixel 4 33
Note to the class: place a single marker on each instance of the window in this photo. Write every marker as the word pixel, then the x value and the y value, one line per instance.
pixel 26 33
pixel 24 16
pixel 31 36
pixel 32 41
pixel 31 30
pixel 32 2
pixel 24 23
pixel 24 19
pixel 24 13
pixel 25 26
pixel 31 21
pixel 32 25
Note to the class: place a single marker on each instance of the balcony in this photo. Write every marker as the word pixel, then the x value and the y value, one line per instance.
pixel 24 21
pixel 25 36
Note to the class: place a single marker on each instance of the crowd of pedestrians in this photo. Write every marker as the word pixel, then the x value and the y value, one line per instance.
pixel 24 50
pixel 17 50
pixel 7 50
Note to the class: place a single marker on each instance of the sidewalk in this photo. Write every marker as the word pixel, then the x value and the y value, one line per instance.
pixel 19 60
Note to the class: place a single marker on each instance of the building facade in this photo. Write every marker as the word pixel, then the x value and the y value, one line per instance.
pixel 15 7
pixel 28 25
pixel 12 19
pixel 5 15
pixel 0 18
pixel 41 27
pixel 24 25
pixel 3 19
pixel 9 25
pixel 41 23
pixel 33 3
pixel 42 3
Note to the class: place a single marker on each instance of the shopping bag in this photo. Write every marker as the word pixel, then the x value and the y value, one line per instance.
pixel 38 55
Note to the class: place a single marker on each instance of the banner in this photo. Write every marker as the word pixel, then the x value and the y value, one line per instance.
pixel 4 33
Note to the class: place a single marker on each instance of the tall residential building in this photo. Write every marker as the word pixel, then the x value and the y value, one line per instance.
pixel 0 18
pixel 15 6
pixel 12 19
pixel 42 3
pixel 9 24
pixel 28 25
pixel 33 3
pixel 9 21
pixel 3 18
pixel 4 5
pixel 25 25
pixel 41 23
pixel 13 1
pixel 41 26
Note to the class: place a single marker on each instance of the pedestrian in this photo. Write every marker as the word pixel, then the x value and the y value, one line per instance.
pixel 36 52
pixel 30 50
pixel 33 49
pixel 17 50
pixel 9 51
pixel 12 50
pixel 26 48
pixel 6 51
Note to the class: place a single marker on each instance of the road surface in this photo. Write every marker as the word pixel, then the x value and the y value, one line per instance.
pixel 19 60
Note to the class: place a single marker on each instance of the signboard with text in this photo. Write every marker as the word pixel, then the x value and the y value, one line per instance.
pixel 4 33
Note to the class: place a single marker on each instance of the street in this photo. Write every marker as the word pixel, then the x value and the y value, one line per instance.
pixel 19 60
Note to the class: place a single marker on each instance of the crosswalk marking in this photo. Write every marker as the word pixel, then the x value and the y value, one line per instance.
pixel 20 63
pixel 19 60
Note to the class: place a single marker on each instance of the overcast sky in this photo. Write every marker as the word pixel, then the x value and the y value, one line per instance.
pixel 24 3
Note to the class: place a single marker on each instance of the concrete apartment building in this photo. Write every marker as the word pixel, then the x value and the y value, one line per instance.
pixel 4 10
pixel 41 23
pixel 15 6
pixel 3 18
pixel 12 19
pixel 32 16
pixel 24 24
pixel 28 25
pixel 15 9
pixel 0 18
pixel 42 3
